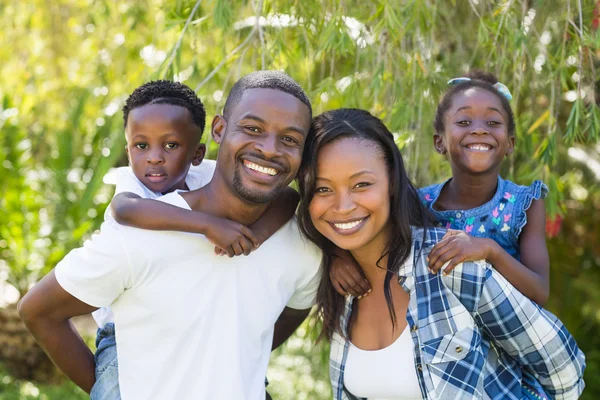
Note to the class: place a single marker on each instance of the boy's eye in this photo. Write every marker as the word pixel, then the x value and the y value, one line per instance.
pixel 141 146
pixel 171 146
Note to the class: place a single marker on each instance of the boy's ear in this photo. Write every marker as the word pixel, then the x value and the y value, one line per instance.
pixel 511 145
pixel 218 128
pixel 199 154
pixel 127 152
pixel 438 143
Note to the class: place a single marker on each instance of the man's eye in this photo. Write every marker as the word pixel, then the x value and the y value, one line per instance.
pixel 290 139
pixel 253 129
pixel 141 146
pixel 171 145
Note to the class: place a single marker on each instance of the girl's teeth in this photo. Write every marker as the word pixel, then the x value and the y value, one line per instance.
pixel 348 225
pixel 263 170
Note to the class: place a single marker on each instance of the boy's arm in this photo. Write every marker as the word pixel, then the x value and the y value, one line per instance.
pixel 280 211
pixel 131 210
pixel 46 310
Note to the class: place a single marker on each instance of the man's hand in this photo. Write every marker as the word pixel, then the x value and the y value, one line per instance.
pixel 456 247
pixel 347 277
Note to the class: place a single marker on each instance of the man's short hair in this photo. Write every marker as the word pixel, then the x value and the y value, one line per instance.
pixel 166 92
pixel 276 80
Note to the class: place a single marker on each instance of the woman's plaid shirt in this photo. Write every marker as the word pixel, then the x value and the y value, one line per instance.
pixel 475 336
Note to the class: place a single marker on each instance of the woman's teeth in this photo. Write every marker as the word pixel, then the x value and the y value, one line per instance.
pixel 262 170
pixel 348 225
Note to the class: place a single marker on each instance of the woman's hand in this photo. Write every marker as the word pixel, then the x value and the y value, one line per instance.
pixel 456 247
pixel 347 277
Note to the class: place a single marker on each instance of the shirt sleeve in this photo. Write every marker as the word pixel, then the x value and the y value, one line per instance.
pixel 531 335
pixel 98 272
pixel 306 295
pixel 200 175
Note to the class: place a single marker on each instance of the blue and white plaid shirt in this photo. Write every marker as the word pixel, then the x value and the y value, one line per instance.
pixel 474 335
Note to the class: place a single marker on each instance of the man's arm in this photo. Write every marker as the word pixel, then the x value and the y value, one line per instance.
pixel 46 310
pixel 531 335
pixel 289 320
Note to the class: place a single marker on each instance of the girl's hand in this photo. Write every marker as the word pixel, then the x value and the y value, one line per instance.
pixel 347 277
pixel 231 238
pixel 456 247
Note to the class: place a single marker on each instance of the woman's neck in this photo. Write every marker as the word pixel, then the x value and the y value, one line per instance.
pixel 368 257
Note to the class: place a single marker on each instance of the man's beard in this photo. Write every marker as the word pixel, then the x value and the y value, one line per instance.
pixel 254 196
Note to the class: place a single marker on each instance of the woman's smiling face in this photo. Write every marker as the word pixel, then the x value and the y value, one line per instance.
pixel 351 203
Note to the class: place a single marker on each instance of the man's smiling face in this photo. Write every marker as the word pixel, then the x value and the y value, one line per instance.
pixel 261 143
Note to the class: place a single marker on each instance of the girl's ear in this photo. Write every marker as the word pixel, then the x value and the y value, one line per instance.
pixel 511 145
pixel 438 143
pixel 199 155
pixel 218 128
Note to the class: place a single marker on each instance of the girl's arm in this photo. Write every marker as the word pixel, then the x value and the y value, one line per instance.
pixel 530 276
pixel 233 238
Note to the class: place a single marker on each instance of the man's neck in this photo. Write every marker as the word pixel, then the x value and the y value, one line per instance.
pixel 219 199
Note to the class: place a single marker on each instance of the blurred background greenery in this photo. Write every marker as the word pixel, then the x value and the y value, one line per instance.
pixel 68 65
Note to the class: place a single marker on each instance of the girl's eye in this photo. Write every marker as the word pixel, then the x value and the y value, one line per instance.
pixel 171 146
pixel 493 123
pixel 141 146
pixel 464 123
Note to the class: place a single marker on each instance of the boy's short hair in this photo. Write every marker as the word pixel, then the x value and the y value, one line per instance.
pixel 166 92
pixel 265 80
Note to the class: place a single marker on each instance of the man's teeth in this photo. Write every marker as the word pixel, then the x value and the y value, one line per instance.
pixel 262 170
pixel 348 225
pixel 480 147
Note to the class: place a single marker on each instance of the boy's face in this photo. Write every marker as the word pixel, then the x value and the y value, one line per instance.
pixel 162 143
pixel 261 143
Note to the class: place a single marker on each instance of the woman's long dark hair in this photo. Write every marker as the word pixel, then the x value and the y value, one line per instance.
pixel 406 209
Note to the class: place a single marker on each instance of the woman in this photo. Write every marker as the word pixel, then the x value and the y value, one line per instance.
pixel 468 334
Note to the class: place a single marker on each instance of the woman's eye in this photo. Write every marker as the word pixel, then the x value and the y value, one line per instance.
pixel 171 146
pixel 321 190
pixel 141 146
pixel 363 185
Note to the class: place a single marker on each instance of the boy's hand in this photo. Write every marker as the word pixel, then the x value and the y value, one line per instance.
pixel 347 277
pixel 231 238
pixel 456 247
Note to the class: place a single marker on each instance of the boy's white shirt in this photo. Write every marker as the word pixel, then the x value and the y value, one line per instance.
pixel 190 324
pixel 126 181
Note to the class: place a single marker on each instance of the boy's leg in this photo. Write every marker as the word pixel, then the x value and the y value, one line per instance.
pixel 107 367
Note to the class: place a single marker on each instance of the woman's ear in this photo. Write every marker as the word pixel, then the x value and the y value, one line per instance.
pixel 438 143
pixel 218 128
pixel 199 155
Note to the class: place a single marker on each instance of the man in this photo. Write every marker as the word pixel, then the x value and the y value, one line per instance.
pixel 191 324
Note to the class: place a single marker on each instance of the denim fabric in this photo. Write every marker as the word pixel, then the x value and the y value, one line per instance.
pixel 501 219
pixel 107 367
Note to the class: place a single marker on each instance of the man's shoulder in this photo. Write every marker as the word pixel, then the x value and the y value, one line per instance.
pixel 296 248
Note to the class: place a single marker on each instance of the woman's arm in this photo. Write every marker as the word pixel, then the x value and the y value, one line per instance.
pixel 530 276
pixel 131 210
pixel 534 337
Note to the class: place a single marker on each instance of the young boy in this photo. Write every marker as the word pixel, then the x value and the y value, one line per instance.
pixel 164 122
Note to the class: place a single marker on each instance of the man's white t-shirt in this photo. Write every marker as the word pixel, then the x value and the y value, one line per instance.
pixel 190 324
pixel 126 181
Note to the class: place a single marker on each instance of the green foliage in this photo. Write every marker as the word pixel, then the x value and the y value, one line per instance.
pixel 67 67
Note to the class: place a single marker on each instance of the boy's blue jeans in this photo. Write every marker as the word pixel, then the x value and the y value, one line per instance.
pixel 107 367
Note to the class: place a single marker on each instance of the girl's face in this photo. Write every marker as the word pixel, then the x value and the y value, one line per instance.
pixel 351 203
pixel 476 137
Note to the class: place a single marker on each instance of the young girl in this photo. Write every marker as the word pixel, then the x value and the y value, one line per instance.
pixel 488 217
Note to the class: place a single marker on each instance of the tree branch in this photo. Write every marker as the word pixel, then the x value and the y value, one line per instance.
pixel 187 23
